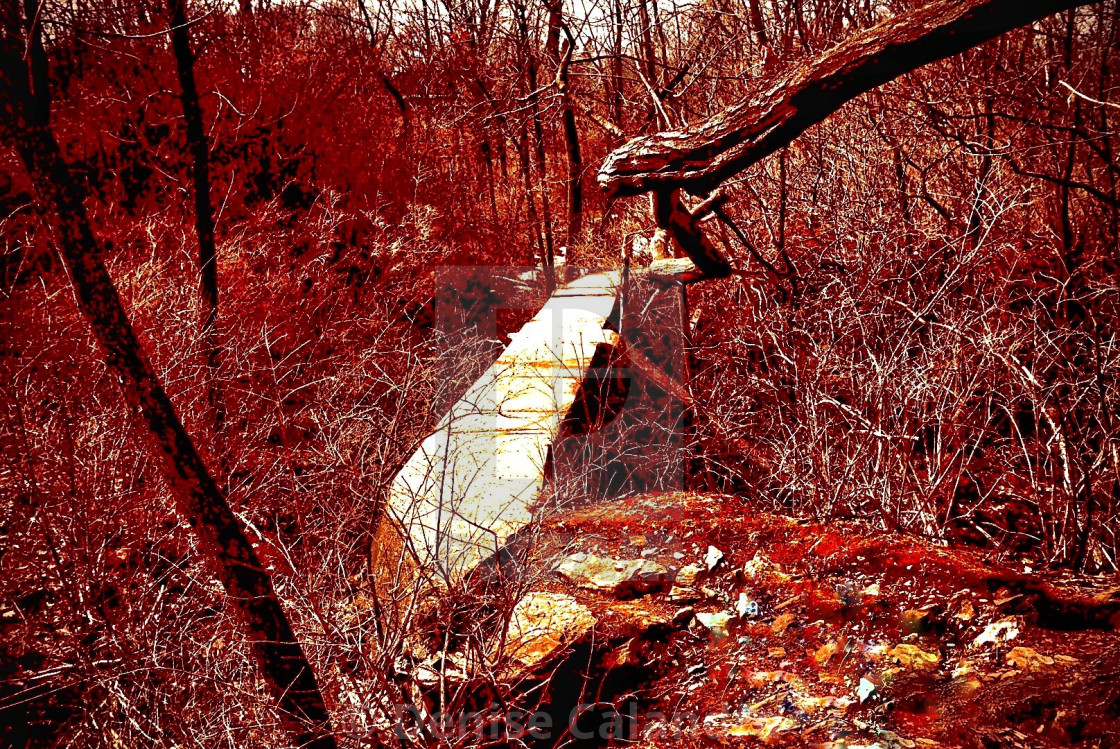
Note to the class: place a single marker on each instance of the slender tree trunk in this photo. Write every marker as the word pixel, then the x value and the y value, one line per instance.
pixel 575 179
pixel 499 143
pixel 488 159
pixel 548 259
pixel 616 66
pixel 1104 79
pixel 649 56
pixel 572 148
pixel 25 118
pixel 542 181
pixel 975 217
pixel 799 22
pixel 531 200
pixel 402 107
pixel 199 146
pixel 1069 254
pixel 659 27
pixel 757 22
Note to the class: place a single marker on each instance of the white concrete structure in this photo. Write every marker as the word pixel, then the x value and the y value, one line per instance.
pixel 475 480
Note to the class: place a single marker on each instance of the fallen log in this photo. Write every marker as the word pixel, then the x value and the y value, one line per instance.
pixel 701 157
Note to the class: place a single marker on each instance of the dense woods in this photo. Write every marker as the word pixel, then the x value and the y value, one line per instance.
pixel 222 229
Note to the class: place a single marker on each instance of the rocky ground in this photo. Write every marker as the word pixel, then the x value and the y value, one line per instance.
pixel 698 621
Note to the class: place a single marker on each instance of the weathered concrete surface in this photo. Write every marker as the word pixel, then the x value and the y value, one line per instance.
pixel 475 480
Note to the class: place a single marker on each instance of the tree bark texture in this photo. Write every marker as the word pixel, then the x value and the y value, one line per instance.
pixel 699 158
pixel 25 119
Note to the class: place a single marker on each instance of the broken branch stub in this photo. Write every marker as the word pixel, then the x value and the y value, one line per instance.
pixel 670 213
pixel 699 158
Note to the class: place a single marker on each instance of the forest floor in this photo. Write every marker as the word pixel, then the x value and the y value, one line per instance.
pixel 797 633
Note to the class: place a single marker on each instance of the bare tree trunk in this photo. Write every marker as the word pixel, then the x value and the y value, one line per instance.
pixel 709 152
pixel 402 106
pixel 903 197
pixel 199 146
pixel 975 218
pixel 531 200
pixel 1069 255
pixel 499 142
pixel 427 24
pixel 575 179
pixel 488 159
pixel 758 22
pixel 548 259
pixel 649 56
pixel 616 92
pixel 555 10
pixel 542 181
pixel 572 147
pixel 25 113
pixel 1104 79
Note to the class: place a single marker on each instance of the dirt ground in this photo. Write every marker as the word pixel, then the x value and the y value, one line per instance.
pixel 836 635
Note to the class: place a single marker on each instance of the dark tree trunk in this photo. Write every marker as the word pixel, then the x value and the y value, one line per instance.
pixel 575 178
pixel 671 214
pixel 548 258
pixel 649 55
pixel 616 92
pixel 199 146
pixel 555 10
pixel 25 118
pixel 572 147
pixel 757 22
pixel 530 199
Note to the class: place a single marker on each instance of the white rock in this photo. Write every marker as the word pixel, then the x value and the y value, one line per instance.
pixel 713 558
pixel 616 576
pixel 743 605
pixel 759 565
pixel 1002 631
pixel 679 594
pixel 865 689
pixel 688 574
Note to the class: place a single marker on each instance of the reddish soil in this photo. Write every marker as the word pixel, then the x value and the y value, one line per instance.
pixel 832 613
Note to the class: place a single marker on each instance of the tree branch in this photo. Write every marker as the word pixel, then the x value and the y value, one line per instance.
pixel 699 158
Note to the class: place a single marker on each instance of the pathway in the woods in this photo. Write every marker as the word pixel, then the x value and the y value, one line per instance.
pixel 474 481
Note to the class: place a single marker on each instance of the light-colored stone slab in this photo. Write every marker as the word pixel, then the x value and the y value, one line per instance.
pixel 475 480
pixel 617 577
pixel 542 625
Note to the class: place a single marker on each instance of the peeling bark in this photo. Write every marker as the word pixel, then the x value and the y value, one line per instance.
pixel 699 158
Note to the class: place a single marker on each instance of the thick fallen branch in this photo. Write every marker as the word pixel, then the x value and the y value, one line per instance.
pixel 699 158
